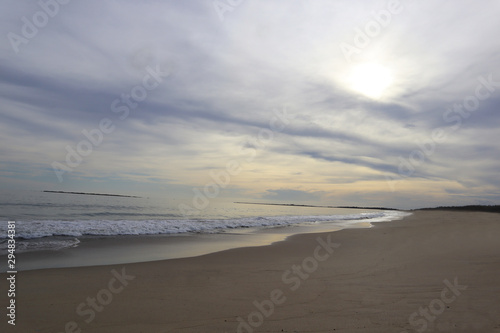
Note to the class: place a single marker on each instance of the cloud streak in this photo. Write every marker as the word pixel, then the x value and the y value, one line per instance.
pixel 226 78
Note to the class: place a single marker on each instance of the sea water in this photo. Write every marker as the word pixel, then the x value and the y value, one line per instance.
pixel 57 222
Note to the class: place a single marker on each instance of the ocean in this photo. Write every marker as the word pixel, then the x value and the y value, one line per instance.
pixel 56 225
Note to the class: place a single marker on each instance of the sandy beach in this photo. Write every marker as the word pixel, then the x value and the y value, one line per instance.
pixel 434 271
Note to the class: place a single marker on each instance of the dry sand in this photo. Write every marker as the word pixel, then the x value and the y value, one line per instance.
pixel 403 275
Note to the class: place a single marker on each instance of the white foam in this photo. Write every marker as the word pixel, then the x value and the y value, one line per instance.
pixel 48 228
pixel 40 245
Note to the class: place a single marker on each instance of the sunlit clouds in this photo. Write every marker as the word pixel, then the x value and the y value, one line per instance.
pixel 360 129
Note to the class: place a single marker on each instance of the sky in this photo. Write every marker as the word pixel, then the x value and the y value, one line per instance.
pixel 377 103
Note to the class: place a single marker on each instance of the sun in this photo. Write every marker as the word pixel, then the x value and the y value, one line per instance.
pixel 371 80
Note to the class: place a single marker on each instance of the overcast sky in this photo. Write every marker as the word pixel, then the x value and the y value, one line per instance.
pixel 328 102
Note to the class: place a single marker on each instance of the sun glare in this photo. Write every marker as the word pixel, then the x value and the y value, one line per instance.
pixel 371 80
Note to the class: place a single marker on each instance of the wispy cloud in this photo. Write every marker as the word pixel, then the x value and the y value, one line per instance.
pixel 226 78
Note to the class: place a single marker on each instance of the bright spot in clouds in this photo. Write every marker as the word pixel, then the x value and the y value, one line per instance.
pixel 356 119
pixel 371 80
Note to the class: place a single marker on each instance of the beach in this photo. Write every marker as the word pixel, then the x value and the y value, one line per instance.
pixel 433 271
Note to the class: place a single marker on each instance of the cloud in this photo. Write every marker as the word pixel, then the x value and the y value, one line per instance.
pixel 227 79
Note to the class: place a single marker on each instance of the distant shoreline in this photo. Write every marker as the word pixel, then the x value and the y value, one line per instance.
pixel 468 208
pixel 315 206
pixel 101 194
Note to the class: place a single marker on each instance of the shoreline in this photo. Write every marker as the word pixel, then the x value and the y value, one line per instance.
pixel 130 249
pixel 374 281
pixel 95 250
pixel 314 206
pixel 91 193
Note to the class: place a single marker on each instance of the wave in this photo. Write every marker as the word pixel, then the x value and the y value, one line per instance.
pixel 53 228
pixel 52 244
